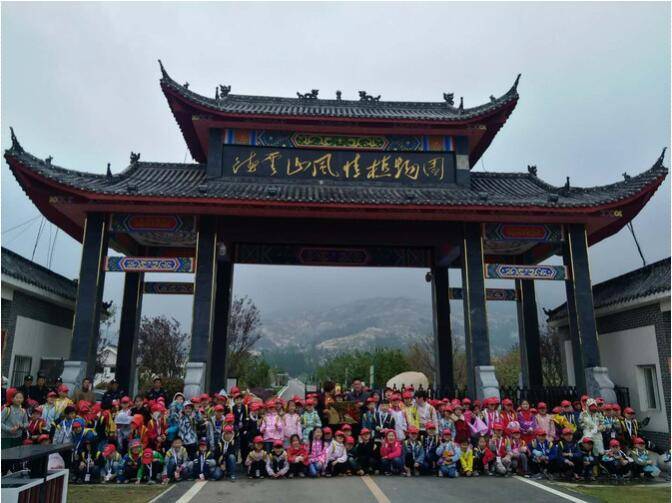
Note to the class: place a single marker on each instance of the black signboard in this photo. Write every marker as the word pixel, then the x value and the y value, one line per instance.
pixel 408 168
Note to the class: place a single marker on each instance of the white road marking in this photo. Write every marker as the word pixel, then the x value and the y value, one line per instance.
pixel 560 494
pixel 193 491
pixel 375 490
pixel 156 498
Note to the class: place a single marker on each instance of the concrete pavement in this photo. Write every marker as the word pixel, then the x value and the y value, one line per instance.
pixel 378 489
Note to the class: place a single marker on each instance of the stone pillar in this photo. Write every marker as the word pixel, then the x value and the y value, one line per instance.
pixel 221 325
pixel 597 377
pixel 481 379
pixel 196 379
pixel 442 334
pixel 86 325
pixel 129 325
pixel 528 330
pixel 462 165
pixel 577 352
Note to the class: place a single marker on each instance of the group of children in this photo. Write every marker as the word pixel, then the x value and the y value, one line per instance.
pixel 219 436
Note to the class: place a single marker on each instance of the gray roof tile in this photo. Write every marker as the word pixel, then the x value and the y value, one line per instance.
pixel 18 267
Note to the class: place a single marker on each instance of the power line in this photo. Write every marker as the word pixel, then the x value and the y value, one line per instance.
pixel 53 247
pixel 21 224
pixel 23 231
pixel 639 248
pixel 37 239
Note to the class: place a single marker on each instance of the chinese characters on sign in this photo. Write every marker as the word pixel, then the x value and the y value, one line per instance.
pixel 404 167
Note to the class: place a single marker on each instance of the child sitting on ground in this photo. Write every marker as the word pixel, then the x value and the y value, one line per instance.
pixel 414 454
pixel 337 456
pixel 297 456
pixel 448 455
pixel 256 459
pixel 276 462
pixel 483 457
pixel 467 460
pixel 643 464
pixel 391 454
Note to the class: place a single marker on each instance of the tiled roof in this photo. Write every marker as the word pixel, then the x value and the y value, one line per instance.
pixel 18 267
pixel 265 105
pixel 640 283
pixel 487 189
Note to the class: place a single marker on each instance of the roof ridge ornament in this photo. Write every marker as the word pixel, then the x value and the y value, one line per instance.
pixel 461 108
pixel 449 98
pixel 662 156
pixel 515 84
pixel 338 95
pixel 108 174
pixel 626 177
pixel 222 91
pixel 164 73
pixel 566 189
pixel 364 96
pixel 532 169
pixel 48 160
pixel 15 143
pixel 135 157
pixel 312 95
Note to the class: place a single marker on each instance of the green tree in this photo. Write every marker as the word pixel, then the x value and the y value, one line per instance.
pixel 345 367
pixel 507 367
pixel 255 372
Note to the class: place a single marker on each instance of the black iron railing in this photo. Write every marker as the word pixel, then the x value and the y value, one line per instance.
pixel 622 395
pixel 551 395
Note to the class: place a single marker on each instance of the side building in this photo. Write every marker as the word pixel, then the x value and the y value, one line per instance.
pixel 38 307
pixel 633 323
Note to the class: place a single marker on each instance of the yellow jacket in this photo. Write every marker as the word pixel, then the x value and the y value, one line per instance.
pixel 467 460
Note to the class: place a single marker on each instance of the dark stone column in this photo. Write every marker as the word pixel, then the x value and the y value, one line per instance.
pixel 129 325
pixel 86 325
pixel 577 352
pixel 214 166
pixel 528 329
pixel 597 378
pixel 480 374
pixel 204 293
pixel 442 335
pixel 462 167
pixel 221 325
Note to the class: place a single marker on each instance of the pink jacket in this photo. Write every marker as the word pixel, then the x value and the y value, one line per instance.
pixel 291 425
pixel 272 427
pixel 318 452
pixel 546 422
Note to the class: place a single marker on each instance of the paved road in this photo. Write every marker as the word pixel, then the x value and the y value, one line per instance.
pixel 367 490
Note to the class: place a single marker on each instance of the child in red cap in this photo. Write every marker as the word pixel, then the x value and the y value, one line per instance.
pixel 310 420
pixel 109 463
pixel 367 452
pixel 500 447
pixel 256 459
pixel 541 453
pixel 483 458
pixel 203 462
pixel 627 428
pixel 448 454
pixel 565 457
pixel 317 453
pixel 643 465
pixel 588 459
pixel 227 454
pixel 277 465
pixel 617 462
pixel 414 453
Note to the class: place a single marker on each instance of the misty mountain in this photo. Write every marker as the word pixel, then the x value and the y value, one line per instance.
pixel 394 322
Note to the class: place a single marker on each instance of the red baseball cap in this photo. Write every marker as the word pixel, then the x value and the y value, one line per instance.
pixel 565 403
pixel 614 443
pixel 349 440
pixel 219 408
pixel 339 433
pixel 541 405
pixel 567 431
pixel 498 426
pixel 412 429
pixel 638 441
pixel 277 443
pixel 587 440
pixel 258 440
pixel 125 399
pixel 109 449
pixel 447 433
pixel 346 427
pixel 628 410
pixel 365 431
pixel 229 418
pixel 540 432
pixel 147 456
pixel 228 429
pixel 326 429
pixel 430 426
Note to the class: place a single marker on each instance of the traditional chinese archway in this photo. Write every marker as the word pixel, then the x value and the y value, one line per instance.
pixel 332 182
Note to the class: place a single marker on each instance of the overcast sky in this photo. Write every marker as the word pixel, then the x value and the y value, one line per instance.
pixel 81 82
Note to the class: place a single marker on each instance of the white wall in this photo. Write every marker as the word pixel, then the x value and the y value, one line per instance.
pixel 39 340
pixel 622 352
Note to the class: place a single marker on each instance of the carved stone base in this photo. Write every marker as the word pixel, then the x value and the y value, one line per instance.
pixel 194 379
pixel 73 374
pixel 598 383
pixel 486 382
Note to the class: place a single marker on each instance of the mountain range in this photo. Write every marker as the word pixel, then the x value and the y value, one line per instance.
pixel 368 323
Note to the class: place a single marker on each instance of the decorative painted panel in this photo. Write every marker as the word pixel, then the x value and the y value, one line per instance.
pixel 542 233
pixel 511 271
pixel 169 288
pixel 505 294
pixel 152 223
pixel 149 264
pixel 332 256
pixel 283 139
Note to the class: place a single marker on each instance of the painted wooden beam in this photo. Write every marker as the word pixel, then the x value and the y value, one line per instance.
pixel 490 294
pixel 540 233
pixel 149 264
pixel 169 288
pixel 533 272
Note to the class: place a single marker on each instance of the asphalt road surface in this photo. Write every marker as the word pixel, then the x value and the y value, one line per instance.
pixel 378 489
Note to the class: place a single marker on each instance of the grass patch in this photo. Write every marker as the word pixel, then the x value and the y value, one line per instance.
pixel 631 494
pixel 127 493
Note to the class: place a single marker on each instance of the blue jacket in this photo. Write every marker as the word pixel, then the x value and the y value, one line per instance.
pixel 564 447
pixel 446 446
pixel 541 448
pixel 415 450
